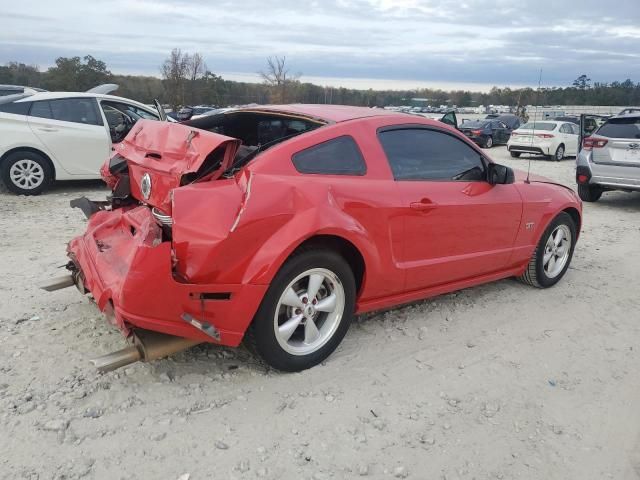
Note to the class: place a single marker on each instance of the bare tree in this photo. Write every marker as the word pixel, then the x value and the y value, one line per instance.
pixel 174 71
pixel 277 77
pixel 197 69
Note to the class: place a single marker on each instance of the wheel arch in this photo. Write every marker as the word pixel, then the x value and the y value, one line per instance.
pixel 32 150
pixel 575 216
pixel 347 250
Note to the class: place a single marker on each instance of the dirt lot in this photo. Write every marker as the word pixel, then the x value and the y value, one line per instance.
pixel 500 381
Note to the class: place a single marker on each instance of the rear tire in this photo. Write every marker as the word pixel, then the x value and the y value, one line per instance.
pixel 553 254
pixel 287 332
pixel 26 173
pixel 589 193
pixel 515 154
pixel 559 155
pixel 488 143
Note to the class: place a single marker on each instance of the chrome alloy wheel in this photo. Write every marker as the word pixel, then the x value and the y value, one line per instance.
pixel 309 311
pixel 27 174
pixel 556 251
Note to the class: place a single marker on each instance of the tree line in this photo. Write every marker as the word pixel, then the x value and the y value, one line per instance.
pixel 186 80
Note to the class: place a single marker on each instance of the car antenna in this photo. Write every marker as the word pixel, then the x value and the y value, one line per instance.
pixel 535 116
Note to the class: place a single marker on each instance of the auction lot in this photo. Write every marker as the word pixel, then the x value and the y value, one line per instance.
pixel 500 381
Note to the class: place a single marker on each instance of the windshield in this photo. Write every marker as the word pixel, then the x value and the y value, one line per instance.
pixel 538 126
pixel 621 128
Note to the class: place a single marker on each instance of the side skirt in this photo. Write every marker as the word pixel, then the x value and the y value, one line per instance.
pixel 413 296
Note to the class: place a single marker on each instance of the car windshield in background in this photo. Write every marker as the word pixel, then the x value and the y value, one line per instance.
pixel 621 128
pixel 538 126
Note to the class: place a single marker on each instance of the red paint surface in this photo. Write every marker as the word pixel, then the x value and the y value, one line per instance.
pixel 417 238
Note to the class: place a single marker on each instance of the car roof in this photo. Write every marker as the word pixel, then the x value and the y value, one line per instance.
pixel 58 95
pixel 625 115
pixel 328 113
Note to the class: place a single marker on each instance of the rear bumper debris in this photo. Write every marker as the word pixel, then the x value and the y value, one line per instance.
pixel 123 262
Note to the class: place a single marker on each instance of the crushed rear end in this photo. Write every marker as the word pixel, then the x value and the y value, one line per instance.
pixel 133 257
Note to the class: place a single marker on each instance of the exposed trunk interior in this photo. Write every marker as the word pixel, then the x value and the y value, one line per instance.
pixel 257 130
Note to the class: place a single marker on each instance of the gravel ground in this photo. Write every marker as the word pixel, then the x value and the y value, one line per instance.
pixel 499 381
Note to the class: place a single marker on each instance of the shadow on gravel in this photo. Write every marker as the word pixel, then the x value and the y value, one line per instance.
pixel 69 186
pixel 618 200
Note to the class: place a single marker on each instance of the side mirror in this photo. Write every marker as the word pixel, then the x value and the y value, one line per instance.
pixel 500 175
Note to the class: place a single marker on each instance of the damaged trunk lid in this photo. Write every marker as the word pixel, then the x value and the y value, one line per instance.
pixel 161 156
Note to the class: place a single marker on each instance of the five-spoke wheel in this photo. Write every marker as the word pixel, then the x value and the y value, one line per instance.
pixel 306 311
pixel 552 256
pixel 309 311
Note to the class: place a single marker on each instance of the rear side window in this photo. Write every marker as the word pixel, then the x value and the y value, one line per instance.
pixel 18 108
pixel 41 110
pixel 422 154
pixel 621 128
pixel 77 110
pixel 340 156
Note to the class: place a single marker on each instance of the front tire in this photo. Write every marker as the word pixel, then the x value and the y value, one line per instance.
pixel 589 193
pixel 488 143
pixel 553 254
pixel 26 173
pixel 306 311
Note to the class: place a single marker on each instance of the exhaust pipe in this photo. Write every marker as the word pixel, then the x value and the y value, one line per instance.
pixel 146 346
pixel 57 283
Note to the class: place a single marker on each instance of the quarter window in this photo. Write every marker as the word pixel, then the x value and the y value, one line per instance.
pixel 17 108
pixel 340 156
pixel 41 110
pixel 423 154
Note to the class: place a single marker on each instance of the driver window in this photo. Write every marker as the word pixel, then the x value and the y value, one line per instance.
pixel 423 154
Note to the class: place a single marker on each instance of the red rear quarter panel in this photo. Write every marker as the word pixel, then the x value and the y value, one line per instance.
pixel 242 230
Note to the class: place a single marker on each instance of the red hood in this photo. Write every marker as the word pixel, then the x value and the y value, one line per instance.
pixel 521 176
pixel 167 152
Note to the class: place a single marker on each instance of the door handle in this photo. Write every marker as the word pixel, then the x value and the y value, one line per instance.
pixel 423 205
pixel 48 129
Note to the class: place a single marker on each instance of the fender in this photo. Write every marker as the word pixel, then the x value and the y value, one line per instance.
pixel 540 208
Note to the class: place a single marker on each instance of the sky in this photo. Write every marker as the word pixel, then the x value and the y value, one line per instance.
pixel 398 44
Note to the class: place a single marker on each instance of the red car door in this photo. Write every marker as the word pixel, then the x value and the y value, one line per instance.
pixel 456 224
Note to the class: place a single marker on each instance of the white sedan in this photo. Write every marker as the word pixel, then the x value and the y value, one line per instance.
pixel 552 139
pixel 51 136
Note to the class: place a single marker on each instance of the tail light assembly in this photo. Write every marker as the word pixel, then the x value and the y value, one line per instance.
pixel 583 175
pixel 591 143
pixel 544 135
pixel 477 133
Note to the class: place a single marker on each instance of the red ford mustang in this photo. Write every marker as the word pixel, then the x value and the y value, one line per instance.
pixel 277 224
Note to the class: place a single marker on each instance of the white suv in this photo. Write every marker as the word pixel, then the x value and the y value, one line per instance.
pixel 51 136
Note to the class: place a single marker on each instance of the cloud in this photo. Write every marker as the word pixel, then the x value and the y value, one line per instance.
pixel 450 41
